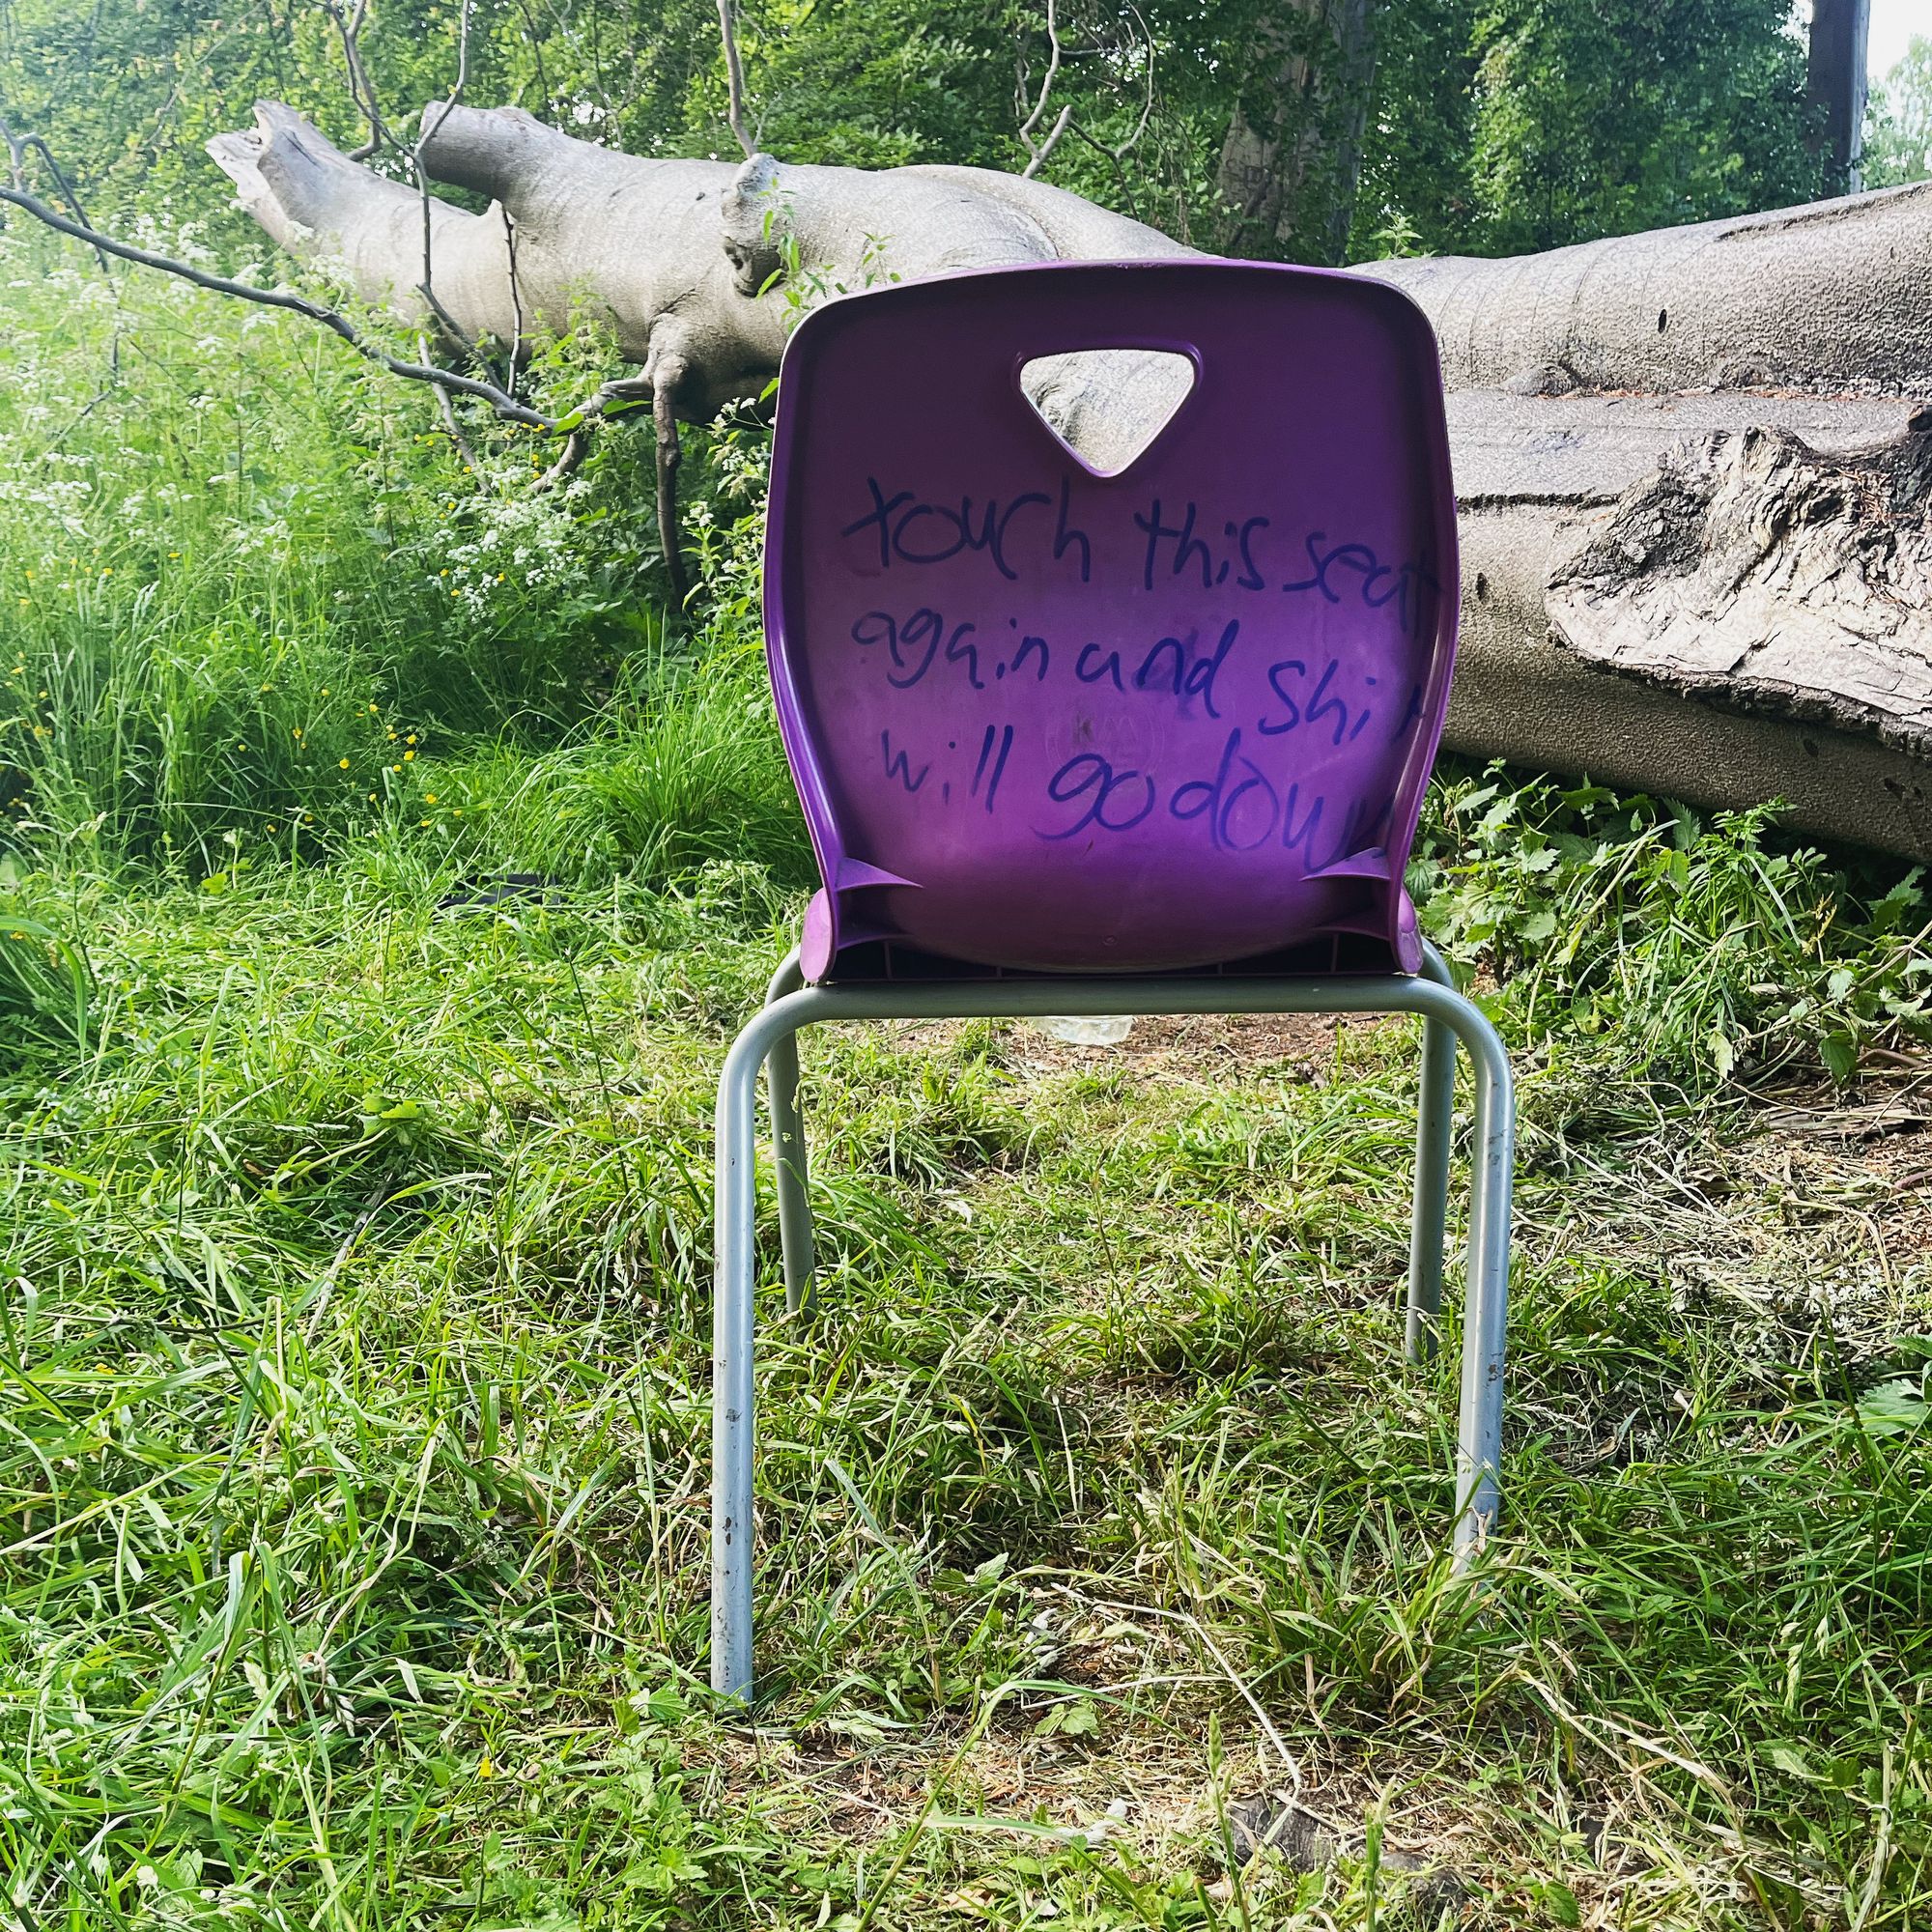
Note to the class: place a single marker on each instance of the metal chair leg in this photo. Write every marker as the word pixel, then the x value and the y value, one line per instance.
pixel 732 1286
pixel 788 1151
pixel 1479 1430
pixel 1434 1129
pixel 1480 1424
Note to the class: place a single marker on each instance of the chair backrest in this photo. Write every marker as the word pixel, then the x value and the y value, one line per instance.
pixel 1046 719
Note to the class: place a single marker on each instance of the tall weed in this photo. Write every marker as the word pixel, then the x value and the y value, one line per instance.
pixel 249 587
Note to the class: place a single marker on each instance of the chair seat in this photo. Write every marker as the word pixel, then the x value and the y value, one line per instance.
pixel 880 962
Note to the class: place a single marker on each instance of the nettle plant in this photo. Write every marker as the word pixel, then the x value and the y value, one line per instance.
pixel 1693 948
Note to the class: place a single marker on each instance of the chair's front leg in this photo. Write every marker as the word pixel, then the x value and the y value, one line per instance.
pixel 1480 1428
pixel 731 1380
pixel 795 1237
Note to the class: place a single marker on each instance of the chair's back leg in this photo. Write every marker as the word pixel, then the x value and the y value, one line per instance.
pixel 795 1236
pixel 1433 1130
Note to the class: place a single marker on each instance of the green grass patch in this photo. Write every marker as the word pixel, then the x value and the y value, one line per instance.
pixel 354 1293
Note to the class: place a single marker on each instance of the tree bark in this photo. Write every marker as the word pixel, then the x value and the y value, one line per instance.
pixel 1711 378
pixel 675 257
pixel 1715 598
pixel 1290 173
pixel 1834 295
pixel 1835 87
pixel 1692 466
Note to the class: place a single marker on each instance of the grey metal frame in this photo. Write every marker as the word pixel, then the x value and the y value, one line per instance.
pixel 771 1040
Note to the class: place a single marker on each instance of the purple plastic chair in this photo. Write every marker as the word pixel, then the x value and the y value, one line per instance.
pixel 1145 742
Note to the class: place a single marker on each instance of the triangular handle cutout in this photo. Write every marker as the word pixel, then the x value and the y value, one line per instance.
pixel 1107 406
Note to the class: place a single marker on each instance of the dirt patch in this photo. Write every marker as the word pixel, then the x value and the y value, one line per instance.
pixel 1189 1049
pixel 1190 1046
pixel 1867 1155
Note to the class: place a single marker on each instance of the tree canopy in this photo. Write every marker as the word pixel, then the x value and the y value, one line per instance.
pixel 1488 126
pixel 1898 142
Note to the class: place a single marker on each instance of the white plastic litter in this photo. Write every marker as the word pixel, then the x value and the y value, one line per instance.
pixel 1107 1030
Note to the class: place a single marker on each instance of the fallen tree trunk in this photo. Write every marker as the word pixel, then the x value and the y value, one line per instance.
pixel 672 255
pixel 1692 469
pixel 1648 599
pixel 1836 295
pixel 1692 463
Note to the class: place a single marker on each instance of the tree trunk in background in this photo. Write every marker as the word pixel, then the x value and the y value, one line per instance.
pixel 1835 87
pixel 1290 171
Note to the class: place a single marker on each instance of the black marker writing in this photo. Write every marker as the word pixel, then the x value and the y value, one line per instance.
pixel 1167 664
pixel 1312 707
pixel 1187 547
pixel 914 646
pixel 1094 777
pixel 1108 666
pixel 1064 536
pixel 999 762
pixel 899 766
pixel 1250 797
pixel 918 532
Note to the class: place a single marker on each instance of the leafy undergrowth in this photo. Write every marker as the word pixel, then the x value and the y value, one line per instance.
pixel 353 1352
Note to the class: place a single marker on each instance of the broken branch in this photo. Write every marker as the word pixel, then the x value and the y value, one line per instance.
pixel 1038 152
pixel 611 398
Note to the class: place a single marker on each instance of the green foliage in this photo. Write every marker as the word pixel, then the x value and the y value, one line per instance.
pixel 1495 124
pixel 1416 196
pixel 44 984
pixel 1628 114
pixel 252 590
pixel 353 1371
pixel 1899 132
pixel 354 1245
pixel 1647 936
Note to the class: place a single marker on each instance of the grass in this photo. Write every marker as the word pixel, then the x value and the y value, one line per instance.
pixel 353 1353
